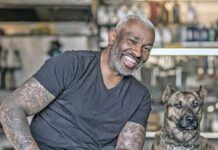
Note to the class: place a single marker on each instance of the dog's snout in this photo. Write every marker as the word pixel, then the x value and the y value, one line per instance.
pixel 190 118
pixel 188 122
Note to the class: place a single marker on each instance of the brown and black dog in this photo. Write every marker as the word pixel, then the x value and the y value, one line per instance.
pixel 181 127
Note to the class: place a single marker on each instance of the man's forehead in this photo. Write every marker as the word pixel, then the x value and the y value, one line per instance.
pixel 137 35
pixel 132 34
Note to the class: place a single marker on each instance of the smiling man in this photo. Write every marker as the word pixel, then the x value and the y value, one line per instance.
pixel 85 100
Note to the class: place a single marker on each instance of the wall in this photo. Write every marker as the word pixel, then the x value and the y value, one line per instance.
pixel 33 50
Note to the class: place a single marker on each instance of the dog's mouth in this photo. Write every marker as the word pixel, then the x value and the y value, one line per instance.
pixel 187 122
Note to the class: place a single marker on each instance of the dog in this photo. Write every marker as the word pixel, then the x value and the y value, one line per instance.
pixel 181 127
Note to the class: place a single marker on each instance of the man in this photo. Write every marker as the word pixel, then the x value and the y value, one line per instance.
pixel 84 99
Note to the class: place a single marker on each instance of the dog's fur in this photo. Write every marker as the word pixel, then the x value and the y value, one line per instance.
pixel 181 127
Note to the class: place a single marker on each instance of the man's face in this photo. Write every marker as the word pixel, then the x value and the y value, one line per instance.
pixel 131 47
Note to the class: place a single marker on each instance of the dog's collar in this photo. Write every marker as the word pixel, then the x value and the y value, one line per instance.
pixel 171 145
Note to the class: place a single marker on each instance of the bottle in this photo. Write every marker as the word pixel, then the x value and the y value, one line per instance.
pixel 154 13
pixel 112 15
pixel 196 33
pixel 211 33
pixel 176 13
pixel 204 34
pixel 164 14
pixel 167 35
pixel 191 14
pixel 102 15
pixel 189 33
pixel 122 11
pixel 216 33
pixel 140 11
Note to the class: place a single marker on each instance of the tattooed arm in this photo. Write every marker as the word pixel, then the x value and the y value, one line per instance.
pixel 131 137
pixel 27 100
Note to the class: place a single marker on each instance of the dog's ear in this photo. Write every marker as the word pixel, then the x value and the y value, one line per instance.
pixel 167 93
pixel 201 92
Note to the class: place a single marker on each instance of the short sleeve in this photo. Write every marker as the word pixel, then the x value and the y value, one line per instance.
pixel 56 73
pixel 142 113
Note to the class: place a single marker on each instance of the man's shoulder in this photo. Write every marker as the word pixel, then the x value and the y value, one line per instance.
pixel 137 85
pixel 75 55
pixel 84 53
pixel 137 82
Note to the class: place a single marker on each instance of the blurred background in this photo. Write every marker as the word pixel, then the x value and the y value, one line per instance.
pixel 185 53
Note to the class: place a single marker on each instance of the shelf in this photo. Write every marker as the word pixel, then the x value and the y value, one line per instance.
pixel 116 2
pixel 184 51
pixel 45 35
pixel 47 2
pixel 203 44
pixel 208 135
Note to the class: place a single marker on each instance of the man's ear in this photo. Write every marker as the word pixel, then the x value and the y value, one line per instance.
pixel 167 93
pixel 112 36
pixel 201 92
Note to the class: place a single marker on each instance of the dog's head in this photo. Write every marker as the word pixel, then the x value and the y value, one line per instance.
pixel 183 113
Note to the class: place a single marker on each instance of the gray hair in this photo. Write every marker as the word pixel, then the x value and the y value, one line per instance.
pixel 126 19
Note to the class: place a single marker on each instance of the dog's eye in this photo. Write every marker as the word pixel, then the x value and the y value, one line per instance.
pixel 178 105
pixel 195 104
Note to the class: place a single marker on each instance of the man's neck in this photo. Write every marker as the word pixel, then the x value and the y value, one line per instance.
pixel 111 78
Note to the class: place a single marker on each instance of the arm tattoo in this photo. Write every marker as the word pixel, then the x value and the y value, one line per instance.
pixel 131 137
pixel 26 100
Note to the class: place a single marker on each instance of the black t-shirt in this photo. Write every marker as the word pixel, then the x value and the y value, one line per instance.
pixel 85 114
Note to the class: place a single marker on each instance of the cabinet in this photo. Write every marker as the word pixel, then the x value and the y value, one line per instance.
pixel 177 23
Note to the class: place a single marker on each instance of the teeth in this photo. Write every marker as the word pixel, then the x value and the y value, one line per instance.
pixel 130 59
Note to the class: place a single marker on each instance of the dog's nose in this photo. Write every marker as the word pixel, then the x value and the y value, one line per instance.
pixel 188 122
pixel 190 118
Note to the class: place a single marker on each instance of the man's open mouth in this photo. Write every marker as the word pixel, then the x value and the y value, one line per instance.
pixel 129 61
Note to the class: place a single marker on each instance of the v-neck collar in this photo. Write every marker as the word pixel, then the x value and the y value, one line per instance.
pixel 102 80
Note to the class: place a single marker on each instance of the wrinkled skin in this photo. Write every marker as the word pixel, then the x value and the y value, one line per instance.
pixel 131 47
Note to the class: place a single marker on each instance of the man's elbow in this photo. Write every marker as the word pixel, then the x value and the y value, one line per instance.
pixel 8 109
pixel 1 113
pixel 5 108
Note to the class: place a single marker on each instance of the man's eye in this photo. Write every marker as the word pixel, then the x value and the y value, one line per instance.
pixel 132 41
pixel 146 49
pixel 195 104
pixel 178 105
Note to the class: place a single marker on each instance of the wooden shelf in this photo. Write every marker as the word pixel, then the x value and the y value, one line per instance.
pixel 208 135
pixel 184 51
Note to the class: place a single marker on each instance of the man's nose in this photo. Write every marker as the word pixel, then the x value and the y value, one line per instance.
pixel 137 50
